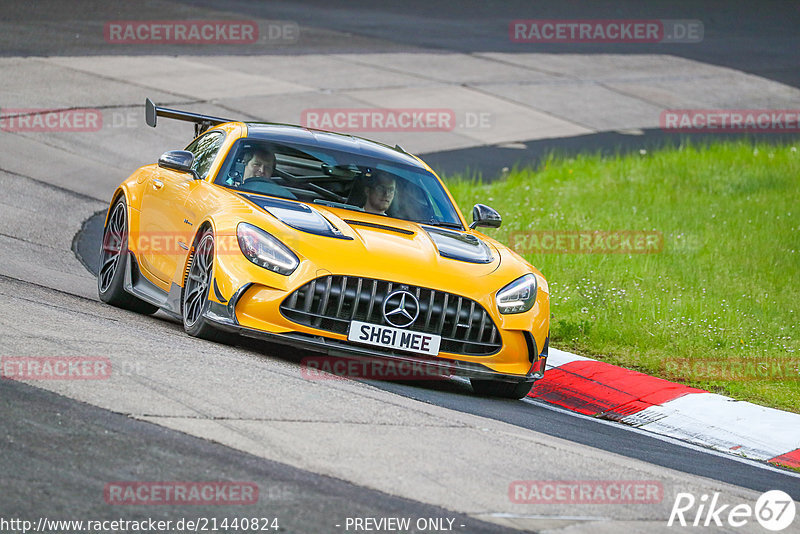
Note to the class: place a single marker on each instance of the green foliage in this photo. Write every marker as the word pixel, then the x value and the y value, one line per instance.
pixel 724 288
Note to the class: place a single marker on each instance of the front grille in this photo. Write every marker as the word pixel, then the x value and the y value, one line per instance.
pixel 331 302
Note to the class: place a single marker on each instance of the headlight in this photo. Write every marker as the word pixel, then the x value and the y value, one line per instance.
pixel 264 250
pixel 518 296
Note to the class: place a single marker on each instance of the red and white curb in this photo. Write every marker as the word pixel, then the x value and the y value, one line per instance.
pixel 599 389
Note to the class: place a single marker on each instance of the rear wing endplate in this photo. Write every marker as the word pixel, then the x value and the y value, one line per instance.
pixel 201 122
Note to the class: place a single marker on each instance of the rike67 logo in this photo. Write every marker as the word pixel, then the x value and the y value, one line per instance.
pixel 774 510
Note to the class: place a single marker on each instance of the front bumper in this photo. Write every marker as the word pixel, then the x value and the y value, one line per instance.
pixel 223 316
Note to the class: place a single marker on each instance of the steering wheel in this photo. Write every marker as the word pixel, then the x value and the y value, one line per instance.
pixel 259 185
pixel 253 181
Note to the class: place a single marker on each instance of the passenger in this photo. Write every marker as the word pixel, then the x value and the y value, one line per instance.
pixel 380 191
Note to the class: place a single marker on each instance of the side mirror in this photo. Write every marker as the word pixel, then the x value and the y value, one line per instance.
pixel 483 215
pixel 178 160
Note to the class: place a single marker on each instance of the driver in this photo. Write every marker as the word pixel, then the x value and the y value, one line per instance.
pixel 258 163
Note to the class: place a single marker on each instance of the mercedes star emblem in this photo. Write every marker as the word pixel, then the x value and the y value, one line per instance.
pixel 400 309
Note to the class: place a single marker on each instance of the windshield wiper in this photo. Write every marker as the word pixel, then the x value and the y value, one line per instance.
pixel 444 224
pixel 342 205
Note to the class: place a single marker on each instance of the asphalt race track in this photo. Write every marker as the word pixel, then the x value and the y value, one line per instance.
pixel 177 408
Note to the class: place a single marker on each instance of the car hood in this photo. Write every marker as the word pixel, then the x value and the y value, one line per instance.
pixel 343 241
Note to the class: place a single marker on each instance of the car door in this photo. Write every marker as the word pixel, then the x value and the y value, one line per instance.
pixel 166 226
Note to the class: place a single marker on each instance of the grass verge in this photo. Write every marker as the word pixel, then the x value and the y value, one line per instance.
pixel 717 307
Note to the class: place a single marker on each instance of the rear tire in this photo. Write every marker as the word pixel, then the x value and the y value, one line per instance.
pixel 113 262
pixel 194 298
pixel 505 390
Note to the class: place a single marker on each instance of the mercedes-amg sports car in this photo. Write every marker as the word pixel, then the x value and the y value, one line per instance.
pixel 326 242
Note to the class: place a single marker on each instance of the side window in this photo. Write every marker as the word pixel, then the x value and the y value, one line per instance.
pixel 205 149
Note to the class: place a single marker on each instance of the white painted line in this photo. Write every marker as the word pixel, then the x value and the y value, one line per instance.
pixel 557 357
pixel 668 424
pixel 666 439
pixel 723 423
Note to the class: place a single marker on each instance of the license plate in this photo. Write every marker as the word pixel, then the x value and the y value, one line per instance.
pixel 394 338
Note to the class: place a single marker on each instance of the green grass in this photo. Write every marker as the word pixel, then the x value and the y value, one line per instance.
pixel 725 289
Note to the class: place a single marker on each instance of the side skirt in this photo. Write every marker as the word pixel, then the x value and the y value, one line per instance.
pixel 142 288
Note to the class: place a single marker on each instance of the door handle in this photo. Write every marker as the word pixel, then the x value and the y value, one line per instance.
pixel 157 184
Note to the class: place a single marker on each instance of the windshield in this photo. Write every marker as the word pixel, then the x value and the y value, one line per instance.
pixel 339 179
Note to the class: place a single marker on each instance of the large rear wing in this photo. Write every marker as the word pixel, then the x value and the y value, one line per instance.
pixel 201 122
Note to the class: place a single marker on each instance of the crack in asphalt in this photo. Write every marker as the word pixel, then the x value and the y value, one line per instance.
pixel 28 241
pixel 54 187
pixel 54 306
pixel 46 288
pixel 186 98
pixel 102 107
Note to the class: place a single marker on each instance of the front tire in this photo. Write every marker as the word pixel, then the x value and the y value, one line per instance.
pixel 505 390
pixel 113 262
pixel 194 301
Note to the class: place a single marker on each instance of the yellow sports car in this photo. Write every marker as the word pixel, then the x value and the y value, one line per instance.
pixel 326 242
